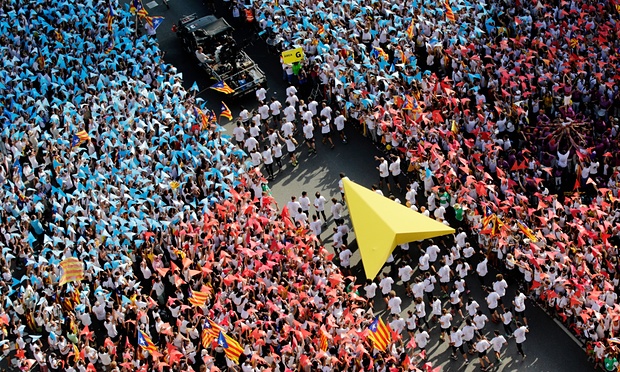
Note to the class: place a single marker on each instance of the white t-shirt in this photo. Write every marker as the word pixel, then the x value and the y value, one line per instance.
pixel 405 273
pixel 386 285
pixel 492 299
pixel 371 290
pixel 394 305
pixel 421 339
pixel 384 169
pixel 497 343
pixel 519 334
pixel 519 302
pixel 308 130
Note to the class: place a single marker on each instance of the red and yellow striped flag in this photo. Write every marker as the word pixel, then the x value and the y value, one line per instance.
pixel 210 331
pixel 449 12
pixel 72 270
pixel 231 347
pixel 197 298
pixel 380 334
pixel 323 344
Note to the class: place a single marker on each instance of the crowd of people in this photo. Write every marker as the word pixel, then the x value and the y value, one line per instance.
pixel 106 158
pixel 508 111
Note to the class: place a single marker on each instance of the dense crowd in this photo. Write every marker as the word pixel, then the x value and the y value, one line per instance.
pixel 107 158
pixel 506 117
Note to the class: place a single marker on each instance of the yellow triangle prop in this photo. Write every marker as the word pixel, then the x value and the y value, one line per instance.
pixel 380 225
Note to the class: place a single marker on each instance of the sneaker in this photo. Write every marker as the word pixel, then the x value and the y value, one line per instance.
pixel 524 356
pixel 499 361
pixel 466 361
pixel 295 164
pixel 333 147
pixel 344 141
pixel 454 357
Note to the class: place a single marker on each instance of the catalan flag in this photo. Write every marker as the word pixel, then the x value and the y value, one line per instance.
pixel 454 127
pixel 408 103
pixel 527 231
pixel 79 137
pixel 574 43
pixel 136 5
pixel 200 115
pixel 380 334
pixel 210 332
pixel 197 298
pixel 110 17
pixel 378 52
pixel 321 30
pixel 497 226
pixel 231 347
pixel 154 21
pixel 145 342
pixel 221 86
pixel 110 47
pixel 449 12
pixel 323 343
pixel 225 112
pixel 72 270
pixel 410 30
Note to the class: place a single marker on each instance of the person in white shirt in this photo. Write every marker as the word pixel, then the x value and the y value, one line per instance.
pixel 507 317
pixel 339 123
pixel 317 227
pixel 482 270
pixel 424 263
pixel 436 309
pixel 445 322
pixel 421 339
pixel 264 113
pixel 289 111
pixel 460 238
pixel 326 112
pixel 202 58
pixel 481 347
pixel 395 171
pixel 411 323
pixel 319 205
pixel 251 144
pixel 337 211
pixel 405 273
pixel 345 259
pixel 500 285
pixel 386 286
pixel 519 335
pixel 261 95
pixel 384 172
pixel 445 274
pixel 239 133
pixel 493 302
pixel 497 342
pixel 398 324
pixel 432 251
pixel 304 201
pixel 287 129
pixel 456 341
pixel 429 285
pixel 469 332
pixel 371 290
pixel 267 157
pixel 394 303
pixel 326 133
pixel 480 320
pixel 519 305
pixel 417 289
pixel 308 130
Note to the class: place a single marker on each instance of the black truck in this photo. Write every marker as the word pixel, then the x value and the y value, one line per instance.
pixel 225 61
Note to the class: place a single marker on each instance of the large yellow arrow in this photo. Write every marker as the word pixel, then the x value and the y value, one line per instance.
pixel 380 225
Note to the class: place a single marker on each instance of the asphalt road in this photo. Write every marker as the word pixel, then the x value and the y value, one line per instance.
pixel 548 347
